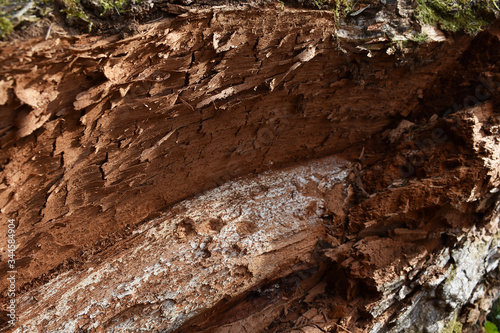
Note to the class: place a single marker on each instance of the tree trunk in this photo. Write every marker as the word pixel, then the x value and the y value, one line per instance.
pixel 248 169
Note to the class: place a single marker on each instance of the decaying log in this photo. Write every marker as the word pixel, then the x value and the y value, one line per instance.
pixel 247 169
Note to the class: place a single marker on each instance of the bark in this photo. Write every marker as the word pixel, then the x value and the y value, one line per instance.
pixel 248 169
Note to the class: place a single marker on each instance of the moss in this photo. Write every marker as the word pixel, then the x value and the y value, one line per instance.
pixel 420 38
pixel 6 26
pixel 14 12
pixel 457 15
pixel 452 275
pixel 493 318
pixel 490 327
pixel 453 326
pixel 340 8
pixel 110 5
pixel 457 327
pixel 343 8
pixel 74 10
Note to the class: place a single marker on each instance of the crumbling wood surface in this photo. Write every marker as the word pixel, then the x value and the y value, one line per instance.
pixel 106 141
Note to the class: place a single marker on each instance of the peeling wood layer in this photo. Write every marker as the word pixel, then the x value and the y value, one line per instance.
pixel 106 145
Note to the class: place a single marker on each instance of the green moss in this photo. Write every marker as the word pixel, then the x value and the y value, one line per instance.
pixel 452 275
pixel 493 317
pixel 343 8
pixel 14 12
pixel 420 38
pixel 489 327
pixel 457 327
pixel 453 326
pixel 110 5
pixel 74 10
pixel 340 8
pixel 6 26
pixel 457 15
